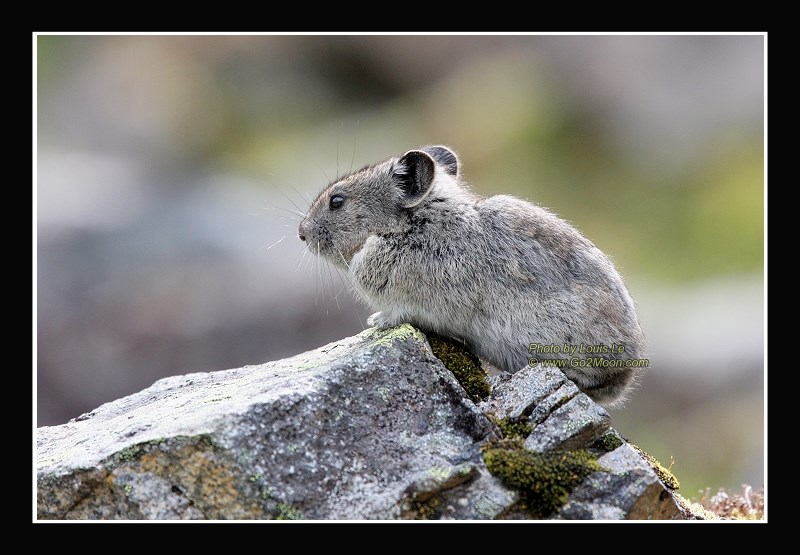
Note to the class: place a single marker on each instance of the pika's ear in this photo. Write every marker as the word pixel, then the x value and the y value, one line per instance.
pixel 413 175
pixel 444 157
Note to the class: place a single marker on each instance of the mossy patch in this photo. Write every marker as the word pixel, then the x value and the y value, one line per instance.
pixel 609 441
pixel 543 480
pixel 511 428
pixel 464 365
pixel 428 510
pixel 666 477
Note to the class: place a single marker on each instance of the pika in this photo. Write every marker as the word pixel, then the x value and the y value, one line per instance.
pixel 513 281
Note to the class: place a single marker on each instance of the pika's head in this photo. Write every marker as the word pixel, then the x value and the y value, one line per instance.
pixel 374 200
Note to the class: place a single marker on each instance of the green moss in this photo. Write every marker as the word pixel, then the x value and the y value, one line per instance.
pixel 287 512
pixel 511 428
pixel 464 365
pixel 609 441
pixel 668 479
pixel 543 480
pixel 428 510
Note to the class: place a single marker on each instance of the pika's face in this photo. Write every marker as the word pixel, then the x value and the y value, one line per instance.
pixel 374 200
pixel 348 211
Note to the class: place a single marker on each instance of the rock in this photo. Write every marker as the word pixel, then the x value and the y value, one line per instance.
pixel 575 424
pixel 369 427
pixel 630 489
pixel 515 395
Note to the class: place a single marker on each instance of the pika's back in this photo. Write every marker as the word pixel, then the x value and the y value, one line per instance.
pixel 499 273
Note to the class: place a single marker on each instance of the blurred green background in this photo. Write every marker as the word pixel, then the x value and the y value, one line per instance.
pixel 170 166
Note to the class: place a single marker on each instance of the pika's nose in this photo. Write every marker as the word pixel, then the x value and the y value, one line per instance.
pixel 301 233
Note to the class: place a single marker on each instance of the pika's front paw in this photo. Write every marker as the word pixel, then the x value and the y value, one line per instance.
pixel 380 320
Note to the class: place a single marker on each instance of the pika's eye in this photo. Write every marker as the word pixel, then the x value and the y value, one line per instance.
pixel 336 201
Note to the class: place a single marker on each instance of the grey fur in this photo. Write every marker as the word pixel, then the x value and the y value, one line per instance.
pixel 498 273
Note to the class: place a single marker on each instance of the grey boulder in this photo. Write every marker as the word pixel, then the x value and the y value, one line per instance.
pixel 369 427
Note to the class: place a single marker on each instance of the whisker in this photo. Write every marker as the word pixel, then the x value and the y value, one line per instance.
pixel 330 286
pixel 328 179
pixel 298 214
pixel 276 242
pixel 343 258
pixel 344 283
pixel 302 195
pixel 292 219
pixel 353 159
pixel 316 284
pixel 300 211
pixel 347 286
pixel 302 257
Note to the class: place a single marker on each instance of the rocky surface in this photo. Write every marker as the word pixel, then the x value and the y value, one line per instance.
pixel 369 427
